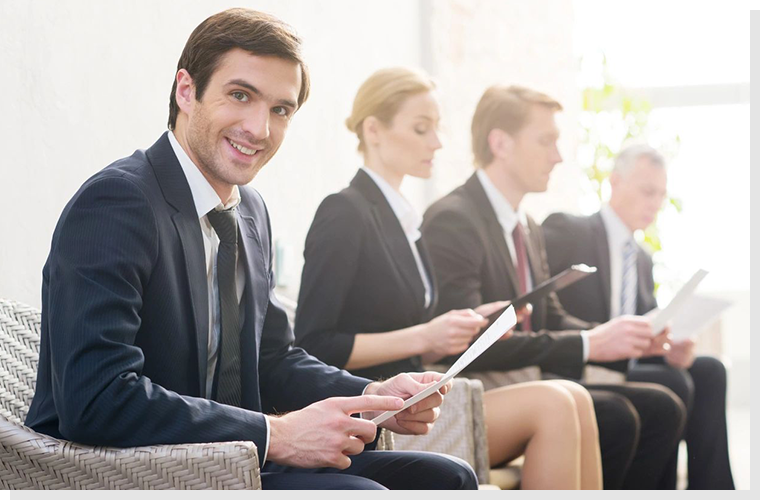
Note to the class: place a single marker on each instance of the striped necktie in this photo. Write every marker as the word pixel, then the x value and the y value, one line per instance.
pixel 228 385
pixel 628 285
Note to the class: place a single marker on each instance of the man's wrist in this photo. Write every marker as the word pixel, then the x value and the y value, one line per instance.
pixel 275 445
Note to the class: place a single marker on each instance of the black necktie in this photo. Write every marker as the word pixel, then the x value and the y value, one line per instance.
pixel 228 387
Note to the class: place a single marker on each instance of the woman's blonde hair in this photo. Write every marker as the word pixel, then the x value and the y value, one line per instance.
pixel 382 94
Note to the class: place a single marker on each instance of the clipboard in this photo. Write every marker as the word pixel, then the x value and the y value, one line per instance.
pixel 553 284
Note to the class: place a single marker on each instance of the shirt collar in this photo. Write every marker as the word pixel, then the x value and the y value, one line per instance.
pixel 204 196
pixel 506 215
pixel 407 216
pixel 618 233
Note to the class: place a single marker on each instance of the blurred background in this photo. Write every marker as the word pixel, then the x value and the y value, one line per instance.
pixel 86 82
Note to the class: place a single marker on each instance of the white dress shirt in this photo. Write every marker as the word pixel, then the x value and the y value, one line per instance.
pixel 618 235
pixel 410 221
pixel 507 216
pixel 206 199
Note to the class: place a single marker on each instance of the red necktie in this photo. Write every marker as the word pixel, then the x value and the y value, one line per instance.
pixel 518 235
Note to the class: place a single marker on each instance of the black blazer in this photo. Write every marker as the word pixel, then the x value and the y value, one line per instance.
pixel 359 276
pixel 473 266
pixel 125 319
pixel 572 239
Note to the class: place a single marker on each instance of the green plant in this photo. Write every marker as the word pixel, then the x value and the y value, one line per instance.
pixel 611 117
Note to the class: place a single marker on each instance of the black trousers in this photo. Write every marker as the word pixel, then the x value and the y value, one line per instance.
pixel 702 388
pixel 377 470
pixel 639 428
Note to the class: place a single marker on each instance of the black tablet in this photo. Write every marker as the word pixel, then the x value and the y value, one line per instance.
pixel 557 282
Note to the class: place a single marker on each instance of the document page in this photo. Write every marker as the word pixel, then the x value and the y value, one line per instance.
pixel 504 323
pixel 660 320
pixel 697 313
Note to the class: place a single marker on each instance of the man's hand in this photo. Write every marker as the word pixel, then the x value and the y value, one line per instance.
pixel 418 418
pixel 660 344
pixel 681 354
pixel 486 310
pixel 620 338
pixel 324 434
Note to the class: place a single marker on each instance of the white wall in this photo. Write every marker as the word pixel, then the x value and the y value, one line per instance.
pixel 86 82
pixel 479 43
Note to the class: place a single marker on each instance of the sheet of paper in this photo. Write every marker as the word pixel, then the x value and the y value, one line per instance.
pixel 661 319
pixel 697 313
pixel 504 323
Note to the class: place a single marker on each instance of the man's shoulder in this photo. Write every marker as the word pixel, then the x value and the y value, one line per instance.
pixel 456 204
pixel 567 221
pixel 126 177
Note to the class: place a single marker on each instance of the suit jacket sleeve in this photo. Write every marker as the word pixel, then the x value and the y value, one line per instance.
pixel 101 260
pixel 291 378
pixel 458 255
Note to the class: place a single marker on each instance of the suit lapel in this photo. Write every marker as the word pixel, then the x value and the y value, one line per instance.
pixel 602 247
pixel 425 256
pixel 495 232
pixel 177 193
pixel 534 255
pixel 394 238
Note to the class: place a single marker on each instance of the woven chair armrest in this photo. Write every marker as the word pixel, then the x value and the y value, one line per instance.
pixel 29 460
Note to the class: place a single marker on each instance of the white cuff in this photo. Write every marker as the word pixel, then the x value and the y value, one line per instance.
pixel 584 338
pixel 269 434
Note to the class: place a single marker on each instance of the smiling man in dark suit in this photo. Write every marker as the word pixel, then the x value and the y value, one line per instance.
pixel 485 249
pixel 159 318
pixel 624 284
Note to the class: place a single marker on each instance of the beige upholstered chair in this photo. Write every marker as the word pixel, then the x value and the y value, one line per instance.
pixel 29 460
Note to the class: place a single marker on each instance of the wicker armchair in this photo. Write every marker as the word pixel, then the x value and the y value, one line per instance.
pixel 29 460
pixel 460 431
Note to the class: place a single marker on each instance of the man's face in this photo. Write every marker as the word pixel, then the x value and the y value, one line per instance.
pixel 534 151
pixel 241 119
pixel 638 194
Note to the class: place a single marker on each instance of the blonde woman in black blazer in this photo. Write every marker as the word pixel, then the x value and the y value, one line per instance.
pixel 368 294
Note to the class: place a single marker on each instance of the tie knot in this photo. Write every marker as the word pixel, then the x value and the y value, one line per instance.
pixel 224 223
pixel 518 231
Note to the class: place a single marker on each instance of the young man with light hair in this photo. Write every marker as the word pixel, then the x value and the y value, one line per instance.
pixel 485 248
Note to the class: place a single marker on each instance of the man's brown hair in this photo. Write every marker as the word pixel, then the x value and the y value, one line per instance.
pixel 249 30
pixel 504 108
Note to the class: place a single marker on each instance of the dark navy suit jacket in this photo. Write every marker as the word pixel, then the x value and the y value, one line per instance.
pixel 125 319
